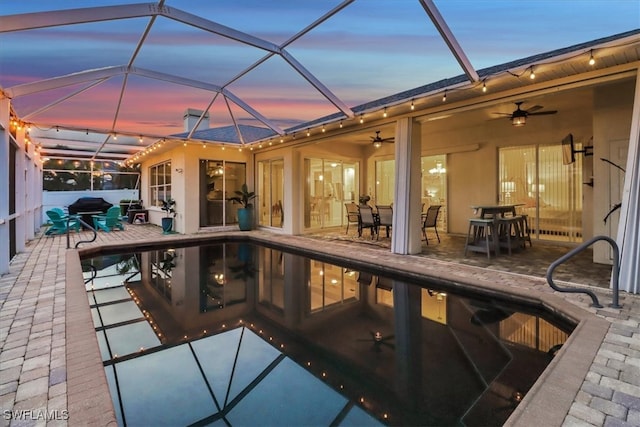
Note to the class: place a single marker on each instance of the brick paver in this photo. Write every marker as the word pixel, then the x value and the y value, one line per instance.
pixel 34 361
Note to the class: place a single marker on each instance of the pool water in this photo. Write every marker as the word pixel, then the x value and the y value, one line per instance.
pixel 237 334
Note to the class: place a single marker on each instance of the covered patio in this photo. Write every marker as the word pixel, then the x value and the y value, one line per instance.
pixel 461 134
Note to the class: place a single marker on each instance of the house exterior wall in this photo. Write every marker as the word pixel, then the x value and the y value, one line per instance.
pixel 613 105
pixel 185 169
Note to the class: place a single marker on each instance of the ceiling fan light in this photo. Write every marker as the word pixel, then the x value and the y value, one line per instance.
pixel 519 120
pixel 377 144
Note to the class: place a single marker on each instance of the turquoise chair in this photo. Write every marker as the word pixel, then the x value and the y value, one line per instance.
pixel 59 223
pixel 109 221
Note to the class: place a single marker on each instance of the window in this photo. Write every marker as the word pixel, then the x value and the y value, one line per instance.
pixel 159 183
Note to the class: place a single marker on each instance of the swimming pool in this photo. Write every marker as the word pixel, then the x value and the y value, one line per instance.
pixel 247 335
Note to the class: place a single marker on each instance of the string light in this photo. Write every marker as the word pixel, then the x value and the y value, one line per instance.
pixel 340 124
pixel 384 114
pixel 444 97
pixel 484 86
pixel 413 107
pixel 323 129
pixel 308 132
pixel 532 75
pixel 361 118
pixel 591 60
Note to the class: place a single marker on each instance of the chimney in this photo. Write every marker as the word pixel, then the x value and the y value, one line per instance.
pixel 191 117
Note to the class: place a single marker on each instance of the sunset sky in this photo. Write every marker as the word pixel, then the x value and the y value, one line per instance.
pixel 370 49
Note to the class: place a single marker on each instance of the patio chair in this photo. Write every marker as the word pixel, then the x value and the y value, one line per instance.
pixel 352 214
pixel 59 223
pixel 385 218
pixel 367 220
pixel 109 221
pixel 431 221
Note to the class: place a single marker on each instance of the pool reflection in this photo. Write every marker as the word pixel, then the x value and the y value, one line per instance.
pixel 405 354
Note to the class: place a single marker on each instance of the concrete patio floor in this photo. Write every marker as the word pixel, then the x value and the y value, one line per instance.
pixel 48 360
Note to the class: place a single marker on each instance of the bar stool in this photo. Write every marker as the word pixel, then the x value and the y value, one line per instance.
pixel 524 227
pixel 510 232
pixel 481 229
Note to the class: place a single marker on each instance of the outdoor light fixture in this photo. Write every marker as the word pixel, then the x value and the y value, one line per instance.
pixel 413 107
pixel 532 75
pixel 361 118
pixel 484 86
pixel 591 60
pixel 444 97
pixel 519 117
pixel 384 114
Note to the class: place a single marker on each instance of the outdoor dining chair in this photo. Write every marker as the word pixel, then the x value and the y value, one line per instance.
pixel 431 221
pixel 60 224
pixel 109 221
pixel 352 215
pixel 367 220
pixel 385 217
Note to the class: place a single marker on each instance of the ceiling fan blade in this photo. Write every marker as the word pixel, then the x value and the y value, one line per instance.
pixel 387 139
pixel 534 108
pixel 543 113
pixel 503 114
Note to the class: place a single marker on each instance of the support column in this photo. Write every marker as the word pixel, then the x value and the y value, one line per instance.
pixel 629 225
pixel 21 189
pixel 406 237
pixel 4 184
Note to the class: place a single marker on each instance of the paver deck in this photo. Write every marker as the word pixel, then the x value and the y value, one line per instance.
pixel 49 375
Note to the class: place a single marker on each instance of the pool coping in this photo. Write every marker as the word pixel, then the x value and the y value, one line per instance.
pixel 546 403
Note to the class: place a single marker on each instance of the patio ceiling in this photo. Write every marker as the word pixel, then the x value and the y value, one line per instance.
pixel 271 65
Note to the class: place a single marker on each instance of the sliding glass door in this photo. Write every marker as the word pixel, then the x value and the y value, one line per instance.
pixel 271 193
pixel 548 192
pixel 330 184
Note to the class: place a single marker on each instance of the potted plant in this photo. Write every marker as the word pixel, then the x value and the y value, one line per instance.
pixel 168 206
pixel 245 213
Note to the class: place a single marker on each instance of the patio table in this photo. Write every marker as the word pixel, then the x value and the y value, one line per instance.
pixel 494 212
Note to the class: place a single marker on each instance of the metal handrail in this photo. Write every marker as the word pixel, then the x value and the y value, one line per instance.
pixel 577 250
pixel 95 233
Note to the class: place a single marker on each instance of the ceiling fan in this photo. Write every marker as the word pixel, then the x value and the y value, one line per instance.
pixel 519 116
pixel 378 140
pixel 377 340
